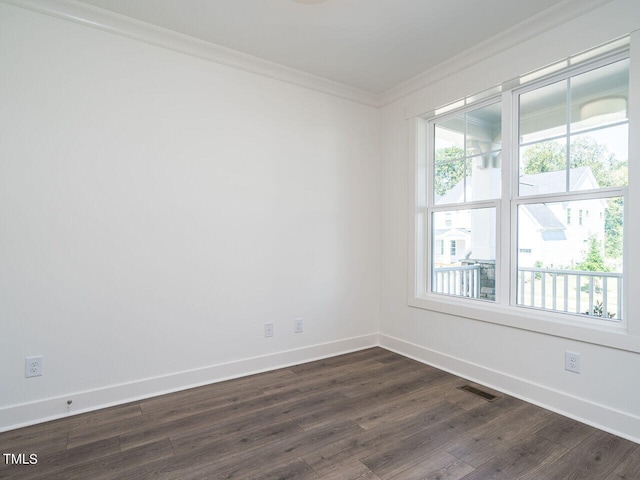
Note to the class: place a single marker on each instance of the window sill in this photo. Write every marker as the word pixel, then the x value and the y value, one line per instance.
pixel 587 330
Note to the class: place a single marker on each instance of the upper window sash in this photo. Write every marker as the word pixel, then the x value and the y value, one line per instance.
pixel 463 145
pixel 562 118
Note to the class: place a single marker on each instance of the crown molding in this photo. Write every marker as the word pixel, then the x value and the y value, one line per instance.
pixel 111 22
pixel 118 24
pixel 517 34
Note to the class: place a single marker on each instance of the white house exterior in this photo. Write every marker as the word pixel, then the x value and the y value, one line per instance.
pixel 550 234
pixel 557 234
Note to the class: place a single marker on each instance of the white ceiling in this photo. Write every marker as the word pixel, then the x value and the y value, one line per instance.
pixel 372 45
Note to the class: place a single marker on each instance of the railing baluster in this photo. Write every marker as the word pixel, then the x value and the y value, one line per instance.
pixel 565 277
pixel 456 280
pixel 591 279
pixel 465 283
pixel 533 289
pixel 554 290
pixel 521 297
pixel 544 289
pixel 475 291
pixel 578 291
pixel 605 302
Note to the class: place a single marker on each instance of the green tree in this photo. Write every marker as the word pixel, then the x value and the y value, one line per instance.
pixel 451 167
pixel 593 259
pixel 613 223
pixel 586 151
pixel 544 157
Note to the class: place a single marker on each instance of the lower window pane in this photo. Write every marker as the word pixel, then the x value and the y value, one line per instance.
pixel 570 257
pixel 463 249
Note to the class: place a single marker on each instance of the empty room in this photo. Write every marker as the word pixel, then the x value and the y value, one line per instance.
pixel 319 239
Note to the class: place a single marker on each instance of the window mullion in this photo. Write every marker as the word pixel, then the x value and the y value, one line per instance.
pixel 505 282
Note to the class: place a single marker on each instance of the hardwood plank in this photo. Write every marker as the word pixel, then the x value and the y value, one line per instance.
pixel 276 404
pixel 421 398
pixel 433 437
pixel 111 466
pixel 481 444
pixel 371 441
pixel 210 397
pixel 595 457
pixel 565 431
pixel 296 470
pixel 336 408
pixel 523 457
pixel 440 466
pixel 30 440
pixel 629 468
pixel 336 378
pixel 249 461
pixel 350 470
pixel 65 458
pixel 225 441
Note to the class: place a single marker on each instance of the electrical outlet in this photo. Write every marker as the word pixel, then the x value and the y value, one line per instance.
pixel 298 325
pixel 268 329
pixel 33 366
pixel 572 362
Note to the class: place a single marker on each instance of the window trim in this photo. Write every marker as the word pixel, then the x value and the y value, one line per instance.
pixel 624 335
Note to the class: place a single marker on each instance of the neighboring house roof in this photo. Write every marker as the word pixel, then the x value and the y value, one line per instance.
pixel 544 216
pixel 554 182
pixel 452 233
pixel 531 184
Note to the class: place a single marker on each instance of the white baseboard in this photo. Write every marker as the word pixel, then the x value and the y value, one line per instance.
pixel 619 423
pixel 22 415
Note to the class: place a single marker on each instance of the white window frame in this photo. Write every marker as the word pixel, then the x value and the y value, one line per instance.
pixel 431 208
pixel 624 334
pixel 576 215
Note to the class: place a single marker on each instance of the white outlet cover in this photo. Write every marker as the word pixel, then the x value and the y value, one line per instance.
pixel 33 366
pixel 298 325
pixel 572 362
pixel 268 330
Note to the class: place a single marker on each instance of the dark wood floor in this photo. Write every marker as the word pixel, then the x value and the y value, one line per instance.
pixel 371 414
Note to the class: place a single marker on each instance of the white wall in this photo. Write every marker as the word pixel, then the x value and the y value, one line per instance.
pixel 522 362
pixel 157 209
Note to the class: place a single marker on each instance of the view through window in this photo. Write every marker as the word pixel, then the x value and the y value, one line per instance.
pixel 566 194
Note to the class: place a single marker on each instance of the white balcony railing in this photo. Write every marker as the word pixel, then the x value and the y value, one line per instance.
pixel 588 293
pixel 460 281
pixel 572 291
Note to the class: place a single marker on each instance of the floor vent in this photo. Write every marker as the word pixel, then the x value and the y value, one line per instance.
pixel 481 393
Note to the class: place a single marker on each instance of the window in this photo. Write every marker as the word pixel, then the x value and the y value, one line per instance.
pixel 573 133
pixel 465 190
pixel 541 228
